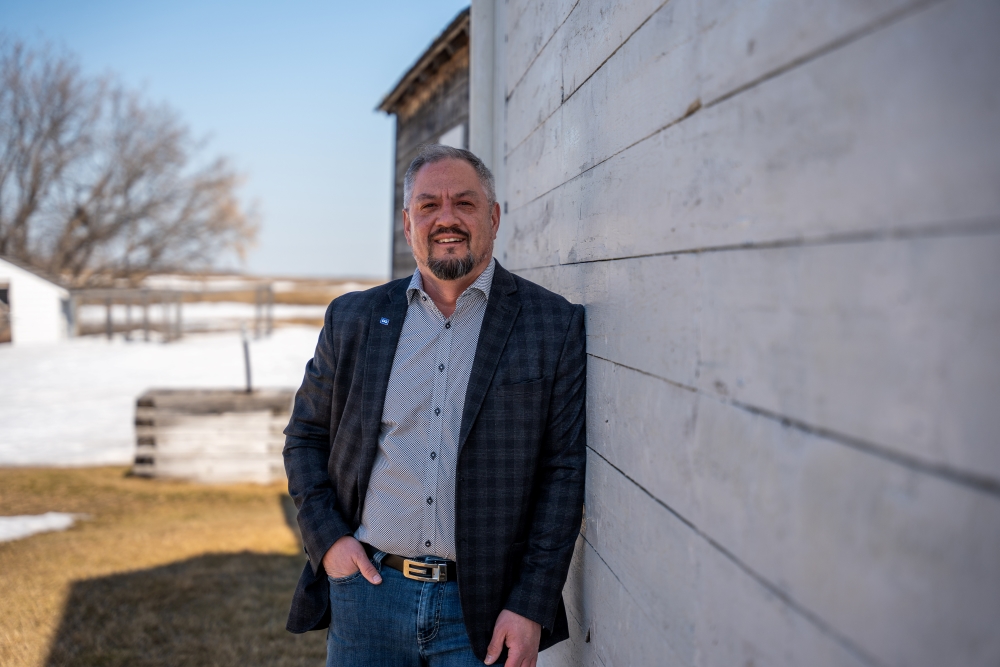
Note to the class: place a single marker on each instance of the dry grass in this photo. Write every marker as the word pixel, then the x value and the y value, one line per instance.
pixel 318 294
pixel 310 297
pixel 162 573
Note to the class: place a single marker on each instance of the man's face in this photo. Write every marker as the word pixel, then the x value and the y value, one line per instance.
pixel 449 224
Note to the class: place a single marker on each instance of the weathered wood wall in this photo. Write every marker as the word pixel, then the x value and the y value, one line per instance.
pixel 784 220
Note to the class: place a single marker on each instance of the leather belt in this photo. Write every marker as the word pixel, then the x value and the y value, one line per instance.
pixel 416 569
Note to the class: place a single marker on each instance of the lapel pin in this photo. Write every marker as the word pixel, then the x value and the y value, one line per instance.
pixel 384 320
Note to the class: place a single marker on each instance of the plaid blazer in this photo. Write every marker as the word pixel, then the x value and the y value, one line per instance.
pixel 519 484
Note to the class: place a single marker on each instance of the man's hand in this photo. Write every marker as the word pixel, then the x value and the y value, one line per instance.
pixel 346 557
pixel 520 634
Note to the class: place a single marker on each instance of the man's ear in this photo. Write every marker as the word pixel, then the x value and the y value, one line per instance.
pixel 406 227
pixel 495 218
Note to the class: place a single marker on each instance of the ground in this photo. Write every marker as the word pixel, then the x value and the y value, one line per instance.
pixel 158 574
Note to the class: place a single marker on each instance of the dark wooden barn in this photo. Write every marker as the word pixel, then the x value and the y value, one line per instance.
pixel 431 105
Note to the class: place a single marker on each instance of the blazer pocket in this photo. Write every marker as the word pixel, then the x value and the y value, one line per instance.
pixel 520 387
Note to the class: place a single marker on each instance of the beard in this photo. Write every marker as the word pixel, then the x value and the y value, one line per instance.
pixel 451 267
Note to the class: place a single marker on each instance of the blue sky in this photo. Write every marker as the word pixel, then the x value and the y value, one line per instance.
pixel 286 90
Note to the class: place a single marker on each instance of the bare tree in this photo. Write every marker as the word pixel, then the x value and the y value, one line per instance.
pixel 96 184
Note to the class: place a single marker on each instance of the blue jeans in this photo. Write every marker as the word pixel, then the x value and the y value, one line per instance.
pixel 398 623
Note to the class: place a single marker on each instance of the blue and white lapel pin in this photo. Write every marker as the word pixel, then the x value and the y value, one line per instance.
pixel 384 320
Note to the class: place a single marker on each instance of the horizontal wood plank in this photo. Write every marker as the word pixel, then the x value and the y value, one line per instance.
pixel 649 80
pixel 861 339
pixel 618 629
pixel 591 33
pixel 866 544
pixel 794 158
pixel 530 26
pixel 863 103
pixel 737 44
pixel 708 609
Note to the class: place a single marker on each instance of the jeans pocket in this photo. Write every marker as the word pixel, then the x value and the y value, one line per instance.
pixel 344 580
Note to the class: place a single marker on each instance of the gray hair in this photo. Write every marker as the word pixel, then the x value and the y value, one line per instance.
pixel 431 153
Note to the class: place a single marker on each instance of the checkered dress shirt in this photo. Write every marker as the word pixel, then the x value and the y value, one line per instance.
pixel 410 504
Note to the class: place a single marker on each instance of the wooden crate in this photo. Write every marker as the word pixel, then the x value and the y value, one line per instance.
pixel 211 435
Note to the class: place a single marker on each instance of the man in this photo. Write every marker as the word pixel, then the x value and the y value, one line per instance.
pixel 436 449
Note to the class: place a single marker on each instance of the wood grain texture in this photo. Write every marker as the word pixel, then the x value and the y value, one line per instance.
pixel 599 606
pixel 737 44
pixel 681 600
pixel 656 78
pixel 860 541
pixel 530 26
pixel 784 221
pixel 892 343
pixel 592 32
pixel 865 140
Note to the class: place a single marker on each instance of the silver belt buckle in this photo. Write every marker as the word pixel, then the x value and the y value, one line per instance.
pixel 414 569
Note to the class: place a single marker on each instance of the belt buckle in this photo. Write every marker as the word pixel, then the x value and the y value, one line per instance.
pixel 435 572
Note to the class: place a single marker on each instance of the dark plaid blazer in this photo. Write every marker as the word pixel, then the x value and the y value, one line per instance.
pixel 519 486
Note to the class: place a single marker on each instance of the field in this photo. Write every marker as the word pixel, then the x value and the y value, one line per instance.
pixel 157 574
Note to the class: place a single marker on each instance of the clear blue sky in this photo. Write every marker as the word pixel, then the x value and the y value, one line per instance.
pixel 286 90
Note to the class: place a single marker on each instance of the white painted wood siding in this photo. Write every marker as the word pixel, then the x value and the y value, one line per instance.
pixel 37 307
pixel 784 220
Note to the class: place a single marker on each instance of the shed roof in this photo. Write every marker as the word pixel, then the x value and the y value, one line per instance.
pixel 24 266
pixel 452 39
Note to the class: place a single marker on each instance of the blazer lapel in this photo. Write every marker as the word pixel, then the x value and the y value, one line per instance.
pixel 501 312
pixel 384 327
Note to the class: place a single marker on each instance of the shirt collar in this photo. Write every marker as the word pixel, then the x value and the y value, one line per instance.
pixel 483 283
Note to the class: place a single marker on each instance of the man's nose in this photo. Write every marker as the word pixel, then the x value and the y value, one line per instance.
pixel 447 214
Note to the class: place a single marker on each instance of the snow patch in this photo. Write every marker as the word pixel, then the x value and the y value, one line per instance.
pixel 18 527
pixel 73 403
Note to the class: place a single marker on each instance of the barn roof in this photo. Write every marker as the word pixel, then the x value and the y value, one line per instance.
pixel 454 38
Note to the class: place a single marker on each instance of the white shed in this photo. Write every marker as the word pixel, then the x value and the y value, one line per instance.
pixel 33 308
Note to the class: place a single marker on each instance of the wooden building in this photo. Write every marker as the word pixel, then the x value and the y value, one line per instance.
pixel 783 219
pixel 431 106
pixel 34 307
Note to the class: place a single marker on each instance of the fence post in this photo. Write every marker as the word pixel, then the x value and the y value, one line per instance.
pixel 128 316
pixel 179 324
pixel 270 308
pixel 145 314
pixel 246 356
pixel 108 325
pixel 257 298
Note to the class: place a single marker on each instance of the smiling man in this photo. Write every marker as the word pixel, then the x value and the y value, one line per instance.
pixel 436 449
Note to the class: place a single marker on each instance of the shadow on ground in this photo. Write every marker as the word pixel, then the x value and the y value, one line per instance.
pixel 217 609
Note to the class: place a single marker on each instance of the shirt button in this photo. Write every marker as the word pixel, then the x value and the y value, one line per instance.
pixel 437 411
pixel 447 325
pixel 430 501
pixel 427 543
pixel 424 298
pixel 434 455
pixel 440 367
